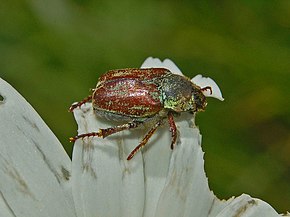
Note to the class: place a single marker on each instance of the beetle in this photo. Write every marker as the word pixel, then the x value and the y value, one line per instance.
pixel 137 96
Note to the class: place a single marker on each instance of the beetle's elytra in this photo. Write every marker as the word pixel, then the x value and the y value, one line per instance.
pixel 139 96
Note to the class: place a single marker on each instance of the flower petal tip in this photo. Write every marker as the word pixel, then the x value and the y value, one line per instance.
pixel 151 62
pixel 208 82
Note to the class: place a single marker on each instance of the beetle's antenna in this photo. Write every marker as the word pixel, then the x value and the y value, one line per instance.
pixel 207 88
pixel 79 104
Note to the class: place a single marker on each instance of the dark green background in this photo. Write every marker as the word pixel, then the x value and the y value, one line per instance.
pixel 52 51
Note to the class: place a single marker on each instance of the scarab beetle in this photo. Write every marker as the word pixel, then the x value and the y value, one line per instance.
pixel 138 96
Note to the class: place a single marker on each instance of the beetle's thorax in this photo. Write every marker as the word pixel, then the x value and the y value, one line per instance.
pixel 179 94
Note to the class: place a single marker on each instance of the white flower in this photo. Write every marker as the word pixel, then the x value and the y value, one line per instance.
pixel 37 178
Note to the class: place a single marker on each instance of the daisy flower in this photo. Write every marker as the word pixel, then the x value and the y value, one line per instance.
pixel 38 179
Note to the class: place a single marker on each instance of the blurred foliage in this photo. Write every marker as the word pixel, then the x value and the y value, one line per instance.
pixel 52 52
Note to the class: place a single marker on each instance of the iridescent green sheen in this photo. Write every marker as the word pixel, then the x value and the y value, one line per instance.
pixel 179 94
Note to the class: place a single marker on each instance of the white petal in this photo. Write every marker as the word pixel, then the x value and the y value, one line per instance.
pixel 246 206
pixel 208 82
pixel 156 154
pixel 151 62
pixel 5 209
pixel 104 182
pixel 186 192
pixel 34 168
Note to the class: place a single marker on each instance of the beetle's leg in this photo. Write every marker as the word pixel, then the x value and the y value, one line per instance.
pixel 73 139
pixel 108 131
pixel 144 140
pixel 173 129
pixel 79 104
pixel 207 88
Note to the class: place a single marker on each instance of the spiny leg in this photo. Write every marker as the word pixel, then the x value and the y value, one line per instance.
pixel 79 104
pixel 144 140
pixel 111 130
pixel 173 129
pixel 108 131
pixel 73 139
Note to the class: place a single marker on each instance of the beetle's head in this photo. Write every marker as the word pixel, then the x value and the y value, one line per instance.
pixel 199 100
pixel 180 95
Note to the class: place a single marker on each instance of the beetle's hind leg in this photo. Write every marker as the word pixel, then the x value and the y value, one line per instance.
pixel 108 131
pixel 81 136
pixel 111 130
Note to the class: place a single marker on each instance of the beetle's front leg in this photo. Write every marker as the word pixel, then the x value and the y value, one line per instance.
pixel 108 131
pixel 173 129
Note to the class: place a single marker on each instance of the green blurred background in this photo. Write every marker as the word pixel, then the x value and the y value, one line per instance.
pixel 52 52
